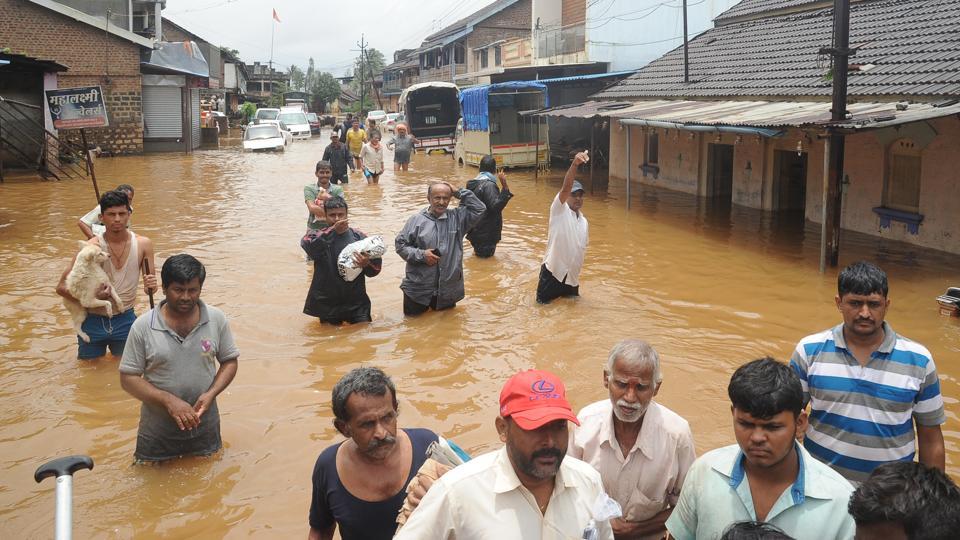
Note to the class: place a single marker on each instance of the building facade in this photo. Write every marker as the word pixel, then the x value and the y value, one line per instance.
pixel 752 132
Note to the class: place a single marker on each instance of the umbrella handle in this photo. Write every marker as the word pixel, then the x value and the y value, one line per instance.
pixel 63 468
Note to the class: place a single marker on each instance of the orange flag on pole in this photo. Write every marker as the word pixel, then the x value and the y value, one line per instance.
pixel 275 16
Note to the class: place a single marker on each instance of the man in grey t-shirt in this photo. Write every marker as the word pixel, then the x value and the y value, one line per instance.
pixel 169 363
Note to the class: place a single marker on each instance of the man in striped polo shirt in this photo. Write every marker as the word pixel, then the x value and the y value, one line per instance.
pixel 866 385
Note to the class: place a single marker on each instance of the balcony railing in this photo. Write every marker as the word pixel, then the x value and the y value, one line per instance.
pixel 442 73
pixel 561 41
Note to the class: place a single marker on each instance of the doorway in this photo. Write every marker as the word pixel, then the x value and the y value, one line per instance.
pixel 790 184
pixel 720 171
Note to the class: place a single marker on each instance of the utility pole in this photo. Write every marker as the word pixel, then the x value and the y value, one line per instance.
pixel 686 52
pixel 833 196
pixel 363 53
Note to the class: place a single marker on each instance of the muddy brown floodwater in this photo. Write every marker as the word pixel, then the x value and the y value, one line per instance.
pixel 710 287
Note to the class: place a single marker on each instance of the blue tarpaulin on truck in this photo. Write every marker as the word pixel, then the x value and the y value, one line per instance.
pixel 475 101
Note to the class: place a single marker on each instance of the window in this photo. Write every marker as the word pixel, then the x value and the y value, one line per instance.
pixel 902 189
pixel 653 148
pixel 497 56
pixel 484 58
pixel 459 54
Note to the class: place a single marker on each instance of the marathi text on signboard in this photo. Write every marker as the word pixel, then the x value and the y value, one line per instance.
pixel 72 108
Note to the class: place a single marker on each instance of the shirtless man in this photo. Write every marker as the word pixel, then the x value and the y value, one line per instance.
pixel 127 253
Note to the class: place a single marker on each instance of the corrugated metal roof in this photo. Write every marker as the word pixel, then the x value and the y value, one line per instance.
pixel 585 77
pixel 913 47
pixel 764 114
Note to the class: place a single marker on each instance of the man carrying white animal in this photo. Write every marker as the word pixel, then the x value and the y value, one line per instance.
pixel 127 252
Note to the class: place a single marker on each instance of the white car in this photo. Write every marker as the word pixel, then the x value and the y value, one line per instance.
pixel 266 114
pixel 391 121
pixel 266 136
pixel 296 122
pixel 379 116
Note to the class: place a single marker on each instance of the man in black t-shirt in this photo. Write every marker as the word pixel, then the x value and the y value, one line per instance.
pixel 360 483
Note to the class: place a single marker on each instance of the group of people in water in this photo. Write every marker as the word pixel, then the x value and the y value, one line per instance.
pixel 431 243
pixel 842 441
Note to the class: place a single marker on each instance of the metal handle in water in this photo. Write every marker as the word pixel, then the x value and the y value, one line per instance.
pixel 63 468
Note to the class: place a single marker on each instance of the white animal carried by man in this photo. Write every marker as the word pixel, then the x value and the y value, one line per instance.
pixel 84 281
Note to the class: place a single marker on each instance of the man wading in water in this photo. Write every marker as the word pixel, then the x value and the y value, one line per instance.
pixel 127 253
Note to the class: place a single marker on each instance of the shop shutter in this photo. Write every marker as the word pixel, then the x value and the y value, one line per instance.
pixel 162 114
pixel 195 116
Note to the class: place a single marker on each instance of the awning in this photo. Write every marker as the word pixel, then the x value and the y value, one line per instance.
pixel 176 57
pixel 587 77
pixel 474 101
pixel 689 114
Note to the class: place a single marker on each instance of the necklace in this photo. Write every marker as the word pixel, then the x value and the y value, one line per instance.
pixel 119 259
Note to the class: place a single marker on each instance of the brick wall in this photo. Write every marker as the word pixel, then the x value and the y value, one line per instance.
pixel 511 22
pixel 92 58
pixel 573 12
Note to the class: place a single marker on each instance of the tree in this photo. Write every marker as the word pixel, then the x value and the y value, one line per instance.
pixel 373 65
pixel 325 88
pixel 297 79
pixel 276 99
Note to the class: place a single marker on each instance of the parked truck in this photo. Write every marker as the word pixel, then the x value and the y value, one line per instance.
pixel 492 124
pixel 431 111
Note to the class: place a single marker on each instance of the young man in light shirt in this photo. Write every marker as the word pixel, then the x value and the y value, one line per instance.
pixel 767 476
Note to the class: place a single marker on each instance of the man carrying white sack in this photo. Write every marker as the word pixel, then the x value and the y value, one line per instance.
pixel 332 298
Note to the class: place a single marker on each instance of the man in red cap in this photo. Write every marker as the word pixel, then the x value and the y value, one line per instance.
pixel 527 488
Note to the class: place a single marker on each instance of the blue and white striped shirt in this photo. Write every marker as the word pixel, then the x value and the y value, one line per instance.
pixel 862 416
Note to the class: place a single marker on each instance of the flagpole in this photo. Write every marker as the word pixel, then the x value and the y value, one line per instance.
pixel 273 27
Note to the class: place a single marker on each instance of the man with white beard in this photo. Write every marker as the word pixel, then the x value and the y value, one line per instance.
pixel 641 448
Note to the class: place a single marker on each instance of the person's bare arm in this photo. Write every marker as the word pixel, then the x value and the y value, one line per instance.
pixel 223 378
pixel 326 534
pixel 178 409
pixel 146 254
pixel 568 179
pixel 85 229
pixel 930 441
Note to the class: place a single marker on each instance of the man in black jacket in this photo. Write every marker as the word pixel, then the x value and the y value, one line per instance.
pixel 339 157
pixel 485 234
pixel 332 299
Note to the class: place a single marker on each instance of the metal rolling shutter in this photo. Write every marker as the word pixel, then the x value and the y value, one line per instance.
pixel 162 115
pixel 195 116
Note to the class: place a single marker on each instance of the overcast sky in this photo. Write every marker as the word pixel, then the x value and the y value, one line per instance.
pixel 326 30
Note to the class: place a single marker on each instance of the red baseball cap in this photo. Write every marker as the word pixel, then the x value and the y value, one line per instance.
pixel 533 398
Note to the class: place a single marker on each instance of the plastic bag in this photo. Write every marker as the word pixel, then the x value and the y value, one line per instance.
pixel 371 246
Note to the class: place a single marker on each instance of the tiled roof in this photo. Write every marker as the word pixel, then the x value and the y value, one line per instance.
pixel 755 7
pixel 461 25
pixel 913 45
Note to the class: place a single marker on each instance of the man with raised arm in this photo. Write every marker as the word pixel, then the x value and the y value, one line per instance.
pixel 566 239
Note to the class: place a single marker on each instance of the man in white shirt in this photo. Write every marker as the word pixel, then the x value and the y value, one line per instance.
pixel 566 240
pixel 527 489
pixel 641 448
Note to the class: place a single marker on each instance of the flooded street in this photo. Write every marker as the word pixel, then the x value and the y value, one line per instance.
pixel 709 287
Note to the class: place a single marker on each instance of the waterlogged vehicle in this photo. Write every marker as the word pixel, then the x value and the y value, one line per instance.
pixel 431 111
pixel 266 137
